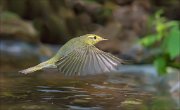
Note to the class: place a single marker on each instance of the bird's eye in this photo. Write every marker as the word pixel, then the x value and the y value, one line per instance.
pixel 95 37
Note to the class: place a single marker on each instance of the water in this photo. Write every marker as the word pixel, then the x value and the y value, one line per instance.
pixel 51 91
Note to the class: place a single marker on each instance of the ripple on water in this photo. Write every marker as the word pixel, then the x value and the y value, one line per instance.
pixel 49 90
pixel 83 108
pixel 77 94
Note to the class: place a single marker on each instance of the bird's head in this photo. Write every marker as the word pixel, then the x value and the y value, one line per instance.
pixel 91 39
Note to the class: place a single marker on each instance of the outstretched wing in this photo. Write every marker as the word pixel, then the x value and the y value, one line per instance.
pixel 87 60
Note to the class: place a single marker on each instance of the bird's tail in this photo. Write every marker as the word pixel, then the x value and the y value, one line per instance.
pixel 47 64
pixel 31 69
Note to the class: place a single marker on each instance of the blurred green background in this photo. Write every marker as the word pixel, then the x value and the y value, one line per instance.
pixel 145 33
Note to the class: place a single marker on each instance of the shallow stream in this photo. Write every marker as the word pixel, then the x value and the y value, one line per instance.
pixel 52 91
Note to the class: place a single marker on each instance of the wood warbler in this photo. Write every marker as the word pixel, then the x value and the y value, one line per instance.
pixel 79 56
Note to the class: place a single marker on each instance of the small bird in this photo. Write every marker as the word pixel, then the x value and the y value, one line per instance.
pixel 79 56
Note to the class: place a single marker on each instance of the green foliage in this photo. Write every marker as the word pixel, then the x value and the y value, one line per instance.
pixel 173 42
pixel 166 38
pixel 160 64
pixel 149 40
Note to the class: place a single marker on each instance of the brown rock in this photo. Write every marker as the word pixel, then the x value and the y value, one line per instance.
pixel 82 5
pixel 124 2
pixel 131 17
pixel 14 27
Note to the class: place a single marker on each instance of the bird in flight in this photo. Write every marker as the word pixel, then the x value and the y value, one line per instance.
pixel 80 57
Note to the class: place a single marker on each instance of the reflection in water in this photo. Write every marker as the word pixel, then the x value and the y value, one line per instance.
pixel 51 91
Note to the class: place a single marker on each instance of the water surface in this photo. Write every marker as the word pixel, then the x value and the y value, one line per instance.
pixel 52 91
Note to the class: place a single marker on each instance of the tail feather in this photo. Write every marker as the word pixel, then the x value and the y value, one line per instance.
pixel 40 66
pixel 31 69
